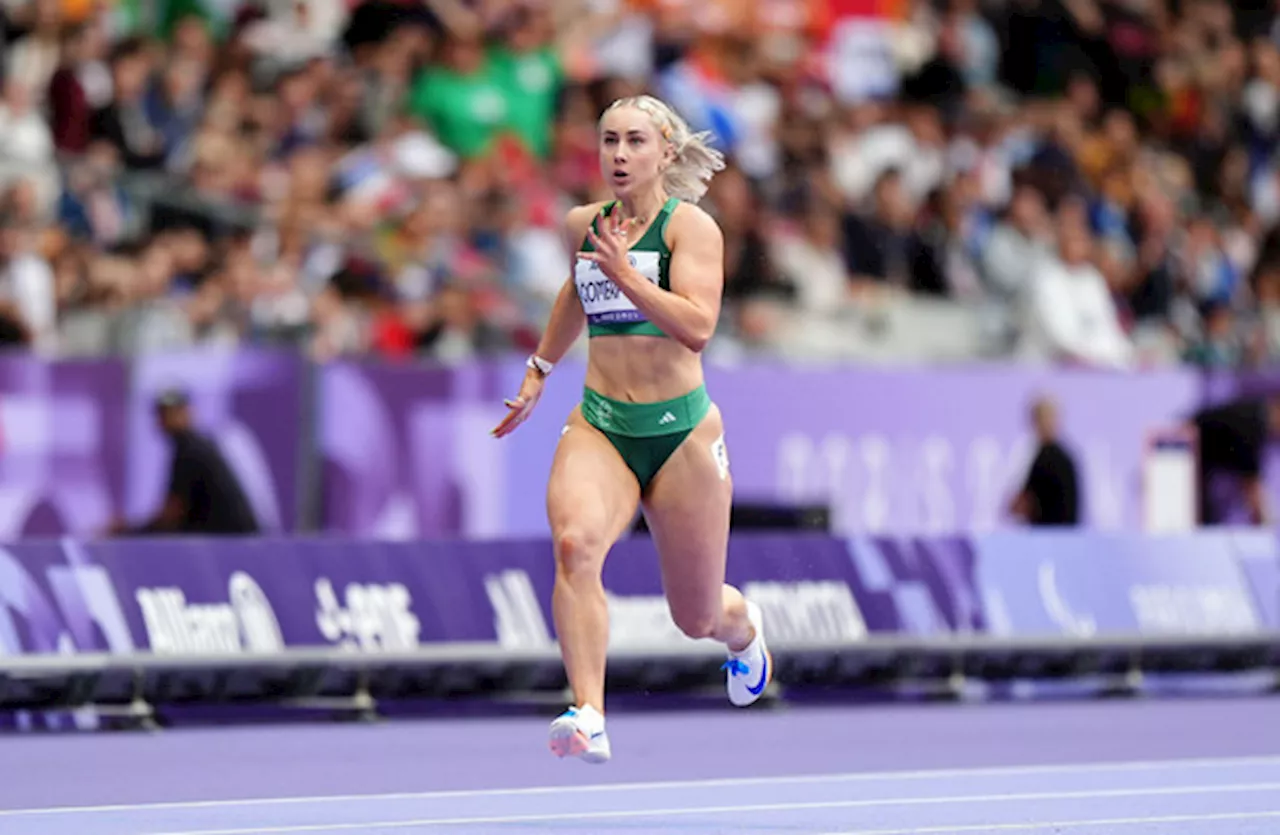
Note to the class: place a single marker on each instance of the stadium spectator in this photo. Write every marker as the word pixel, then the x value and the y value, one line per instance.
pixel 1219 345
pixel 124 122
pixel 945 137
pixel 1071 316
pixel 1233 438
pixel 203 496
pixel 1050 495
pixel 28 286
pixel 882 245
pixel 1016 244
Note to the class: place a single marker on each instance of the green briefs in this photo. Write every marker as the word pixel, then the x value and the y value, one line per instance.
pixel 645 434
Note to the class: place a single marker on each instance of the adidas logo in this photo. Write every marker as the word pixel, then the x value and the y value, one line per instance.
pixel 666 418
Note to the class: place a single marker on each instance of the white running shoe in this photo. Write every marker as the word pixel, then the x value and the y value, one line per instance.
pixel 751 670
pixel 579 732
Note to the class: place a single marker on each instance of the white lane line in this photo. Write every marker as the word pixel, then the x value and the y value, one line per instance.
pixel 727 782
pixel 738 809
pixel 1054 826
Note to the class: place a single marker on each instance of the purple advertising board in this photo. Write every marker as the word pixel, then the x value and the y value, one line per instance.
pixel 895 452
pixel 399 452
pixel 1258 553
pixel 79 445
pixel 229 597
pixel 62 463
pixel 1050 585
pixel 265 594
pixel 902 452
pixel 405 450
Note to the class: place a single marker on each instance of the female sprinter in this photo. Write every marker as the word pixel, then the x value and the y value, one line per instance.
pixel 647 283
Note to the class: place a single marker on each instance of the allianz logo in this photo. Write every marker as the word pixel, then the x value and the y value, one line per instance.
pixel 244 623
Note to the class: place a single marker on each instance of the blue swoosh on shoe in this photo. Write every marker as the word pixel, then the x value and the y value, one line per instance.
pixel 764 676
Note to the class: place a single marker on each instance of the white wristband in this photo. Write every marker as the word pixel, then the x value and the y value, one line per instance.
pixel 540 365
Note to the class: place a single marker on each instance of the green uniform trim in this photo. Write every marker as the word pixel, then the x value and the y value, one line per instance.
pixel 646 434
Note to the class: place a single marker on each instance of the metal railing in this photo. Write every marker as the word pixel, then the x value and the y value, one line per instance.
pixel 137 687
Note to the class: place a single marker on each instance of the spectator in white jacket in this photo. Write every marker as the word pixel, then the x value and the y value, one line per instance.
pixel 1070 316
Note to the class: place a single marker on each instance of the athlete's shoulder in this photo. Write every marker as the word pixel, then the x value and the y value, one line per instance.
pixel 693 220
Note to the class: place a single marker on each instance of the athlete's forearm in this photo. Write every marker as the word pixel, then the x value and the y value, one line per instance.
pixel 563 326
pixel 685 321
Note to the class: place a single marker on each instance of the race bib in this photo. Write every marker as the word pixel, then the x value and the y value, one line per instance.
pixel 601 299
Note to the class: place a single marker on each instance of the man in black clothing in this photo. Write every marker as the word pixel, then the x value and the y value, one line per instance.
pixel 204 496
pixel 1233 438
pixel 1050 497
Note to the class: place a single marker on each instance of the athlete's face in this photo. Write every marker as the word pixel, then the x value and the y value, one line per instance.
pixel 632 151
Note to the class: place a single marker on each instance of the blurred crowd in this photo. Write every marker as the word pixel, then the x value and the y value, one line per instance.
pixel 1088 182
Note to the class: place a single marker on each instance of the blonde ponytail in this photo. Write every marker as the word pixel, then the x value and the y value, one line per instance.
pixel 696 162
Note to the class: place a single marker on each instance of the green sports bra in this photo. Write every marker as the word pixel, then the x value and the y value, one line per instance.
pixel 609 311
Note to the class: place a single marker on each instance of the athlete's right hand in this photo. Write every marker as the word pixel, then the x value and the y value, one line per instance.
pixel 522 406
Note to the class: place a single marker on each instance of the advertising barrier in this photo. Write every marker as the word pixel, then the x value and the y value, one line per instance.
pixel 62 459
pixel 79 445
pixel 265 595
pixel 399 452
pixel 905 452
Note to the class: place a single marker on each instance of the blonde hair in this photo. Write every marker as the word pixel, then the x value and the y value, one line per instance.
pixel 696 161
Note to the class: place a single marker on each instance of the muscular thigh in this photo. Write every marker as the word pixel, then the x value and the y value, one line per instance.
pixel 687 507
pixel 591 494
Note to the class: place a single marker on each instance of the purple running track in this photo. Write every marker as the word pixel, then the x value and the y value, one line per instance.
pixel 1208 766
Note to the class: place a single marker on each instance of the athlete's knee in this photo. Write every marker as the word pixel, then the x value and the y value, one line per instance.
pixel 696 623
pixel 579 554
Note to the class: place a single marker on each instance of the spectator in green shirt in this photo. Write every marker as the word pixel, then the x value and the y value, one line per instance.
pixel 528 65
pixel 510 88
pixel 463 101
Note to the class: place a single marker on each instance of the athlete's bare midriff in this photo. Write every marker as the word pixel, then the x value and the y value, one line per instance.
pixel 642 369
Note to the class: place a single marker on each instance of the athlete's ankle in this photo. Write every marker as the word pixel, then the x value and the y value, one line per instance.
pixel 736 631
pixel 741 645
pixel 598 707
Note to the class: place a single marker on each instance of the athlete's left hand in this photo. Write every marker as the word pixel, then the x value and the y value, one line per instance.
pixel 611 245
